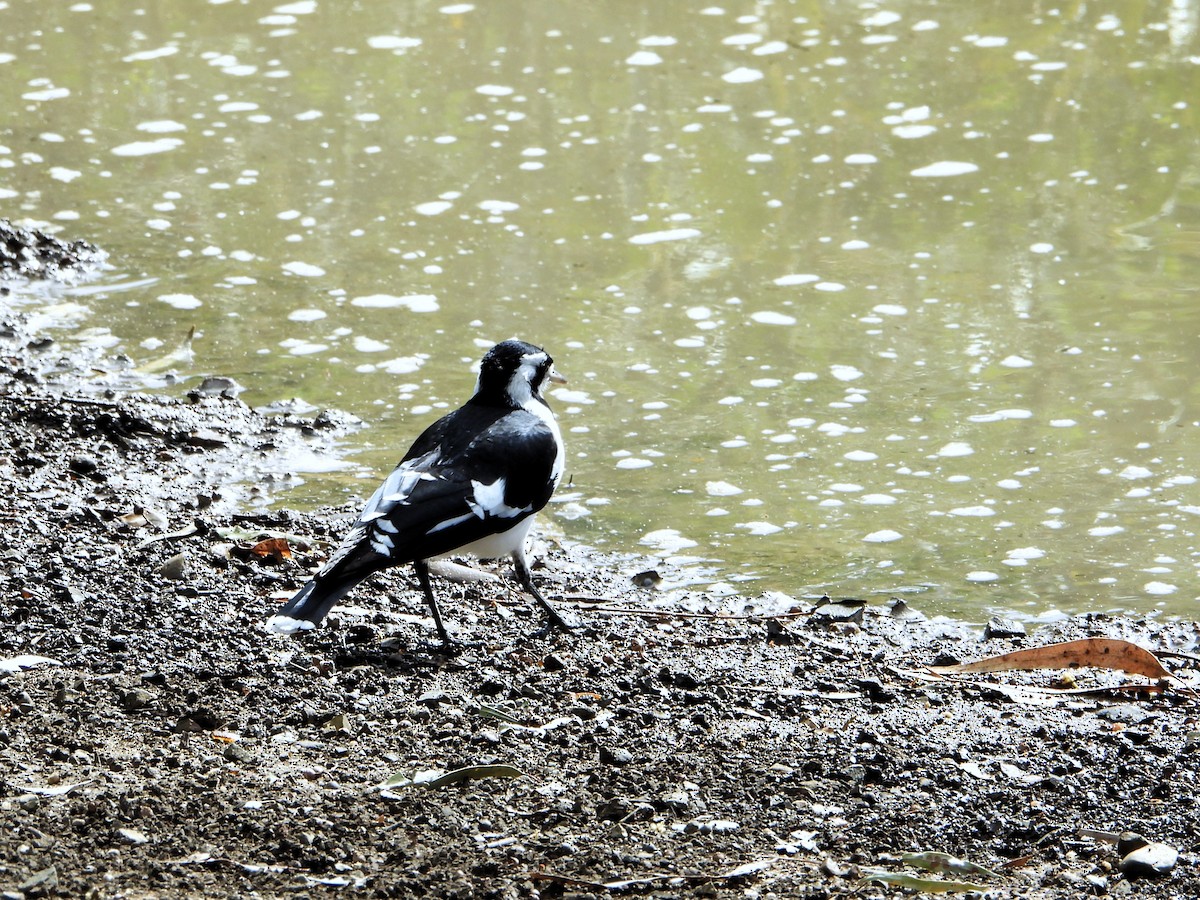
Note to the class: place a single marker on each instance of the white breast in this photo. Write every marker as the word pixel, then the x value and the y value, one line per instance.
pixel 542 411
pixel 497 546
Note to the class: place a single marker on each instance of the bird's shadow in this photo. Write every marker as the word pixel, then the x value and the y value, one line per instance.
pixel 402 654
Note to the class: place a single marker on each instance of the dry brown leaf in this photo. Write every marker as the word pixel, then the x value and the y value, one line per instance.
pixel 274 547
pixel 1102 653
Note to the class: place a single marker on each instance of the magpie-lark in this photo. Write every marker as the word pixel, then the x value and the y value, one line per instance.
pixel 471 483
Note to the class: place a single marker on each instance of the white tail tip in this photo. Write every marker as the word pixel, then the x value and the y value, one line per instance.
pixel 288 625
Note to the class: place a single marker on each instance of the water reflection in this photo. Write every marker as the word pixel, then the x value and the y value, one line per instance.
pixel 860 299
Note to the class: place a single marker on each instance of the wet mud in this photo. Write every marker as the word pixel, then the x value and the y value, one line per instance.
pixel 155 741
pixel 31 253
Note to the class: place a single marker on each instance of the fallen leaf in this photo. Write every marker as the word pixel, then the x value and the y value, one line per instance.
pixel 945 864
pixel 468 772
pixel 58 790
pixel 510 723
pixel 645 882
pixel 917 883
pixel 275 548
pixel 435 778
pixel 1102 653
pixel 197 527
pixel 180 356
pixel 26 661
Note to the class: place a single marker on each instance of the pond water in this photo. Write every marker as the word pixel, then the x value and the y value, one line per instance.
pixel 875 298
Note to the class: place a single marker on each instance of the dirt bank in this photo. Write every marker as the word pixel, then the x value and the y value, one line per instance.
pixel 170 748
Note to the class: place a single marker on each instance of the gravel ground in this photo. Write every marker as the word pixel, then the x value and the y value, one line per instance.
pixel 166 746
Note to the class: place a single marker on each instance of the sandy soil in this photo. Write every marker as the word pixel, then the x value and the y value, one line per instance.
pixel 168 747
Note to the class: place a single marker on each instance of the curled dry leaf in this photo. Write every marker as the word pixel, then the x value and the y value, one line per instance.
pixel 1102 653
pixel 274 548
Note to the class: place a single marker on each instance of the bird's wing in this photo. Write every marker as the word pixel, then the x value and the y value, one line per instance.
pixel 454 492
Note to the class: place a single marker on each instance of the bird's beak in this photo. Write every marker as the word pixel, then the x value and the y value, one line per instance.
pixel 556 377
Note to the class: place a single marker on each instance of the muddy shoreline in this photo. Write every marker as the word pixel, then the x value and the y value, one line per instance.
pixel 163 745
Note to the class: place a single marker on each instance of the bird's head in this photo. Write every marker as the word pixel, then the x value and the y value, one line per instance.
pixel 516 372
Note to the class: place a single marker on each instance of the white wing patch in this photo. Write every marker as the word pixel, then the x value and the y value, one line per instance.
pixel 489 501
pixel 397 487
pixel 450 523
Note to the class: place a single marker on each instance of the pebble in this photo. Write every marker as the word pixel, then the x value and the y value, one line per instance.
pixel 29 802
pixel 999 628
pixel 715 826
pixel 613 810
pixel 615 756
pixel 216 386
pixel 42 880
pixel 136 699
pixel 1142 858
pixel 82 464
pixel 174 568
pixel 648 579
pixel 839 612
pixel 778 634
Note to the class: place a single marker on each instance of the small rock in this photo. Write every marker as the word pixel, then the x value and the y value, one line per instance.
pixel 335 419
pixel 778 634
pixel 837 612
pixel 29 802
pixel 553 664
pixel 832 867
pixel 999 628
pixel 206 438
pixel 613 810
pixel 1127 714
pixel 682 680
pixel 83 465
pixel 136 699
pixel 1142 858
pixel 901 611
pixel 174 568
pixel 236 753
pixel 648 579
pixel 132 836
pixel 616 756
pixel 216 386
pixel 44 880
pixel 713 826
pixel 876 690
pixel 677 801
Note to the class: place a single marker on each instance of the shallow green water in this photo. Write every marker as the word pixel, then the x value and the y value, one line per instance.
pixel 862 298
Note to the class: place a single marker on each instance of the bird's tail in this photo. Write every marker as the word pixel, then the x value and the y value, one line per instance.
pixel 310 605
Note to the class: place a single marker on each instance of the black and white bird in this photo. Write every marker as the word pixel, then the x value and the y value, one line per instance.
pixel 471 483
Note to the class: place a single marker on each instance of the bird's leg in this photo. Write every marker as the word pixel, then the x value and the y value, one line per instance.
pixel 523 576
pixel 422 567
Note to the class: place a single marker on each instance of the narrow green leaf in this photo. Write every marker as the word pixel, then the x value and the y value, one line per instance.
pixel 916 883
pixel 460 775
pixel 945 864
